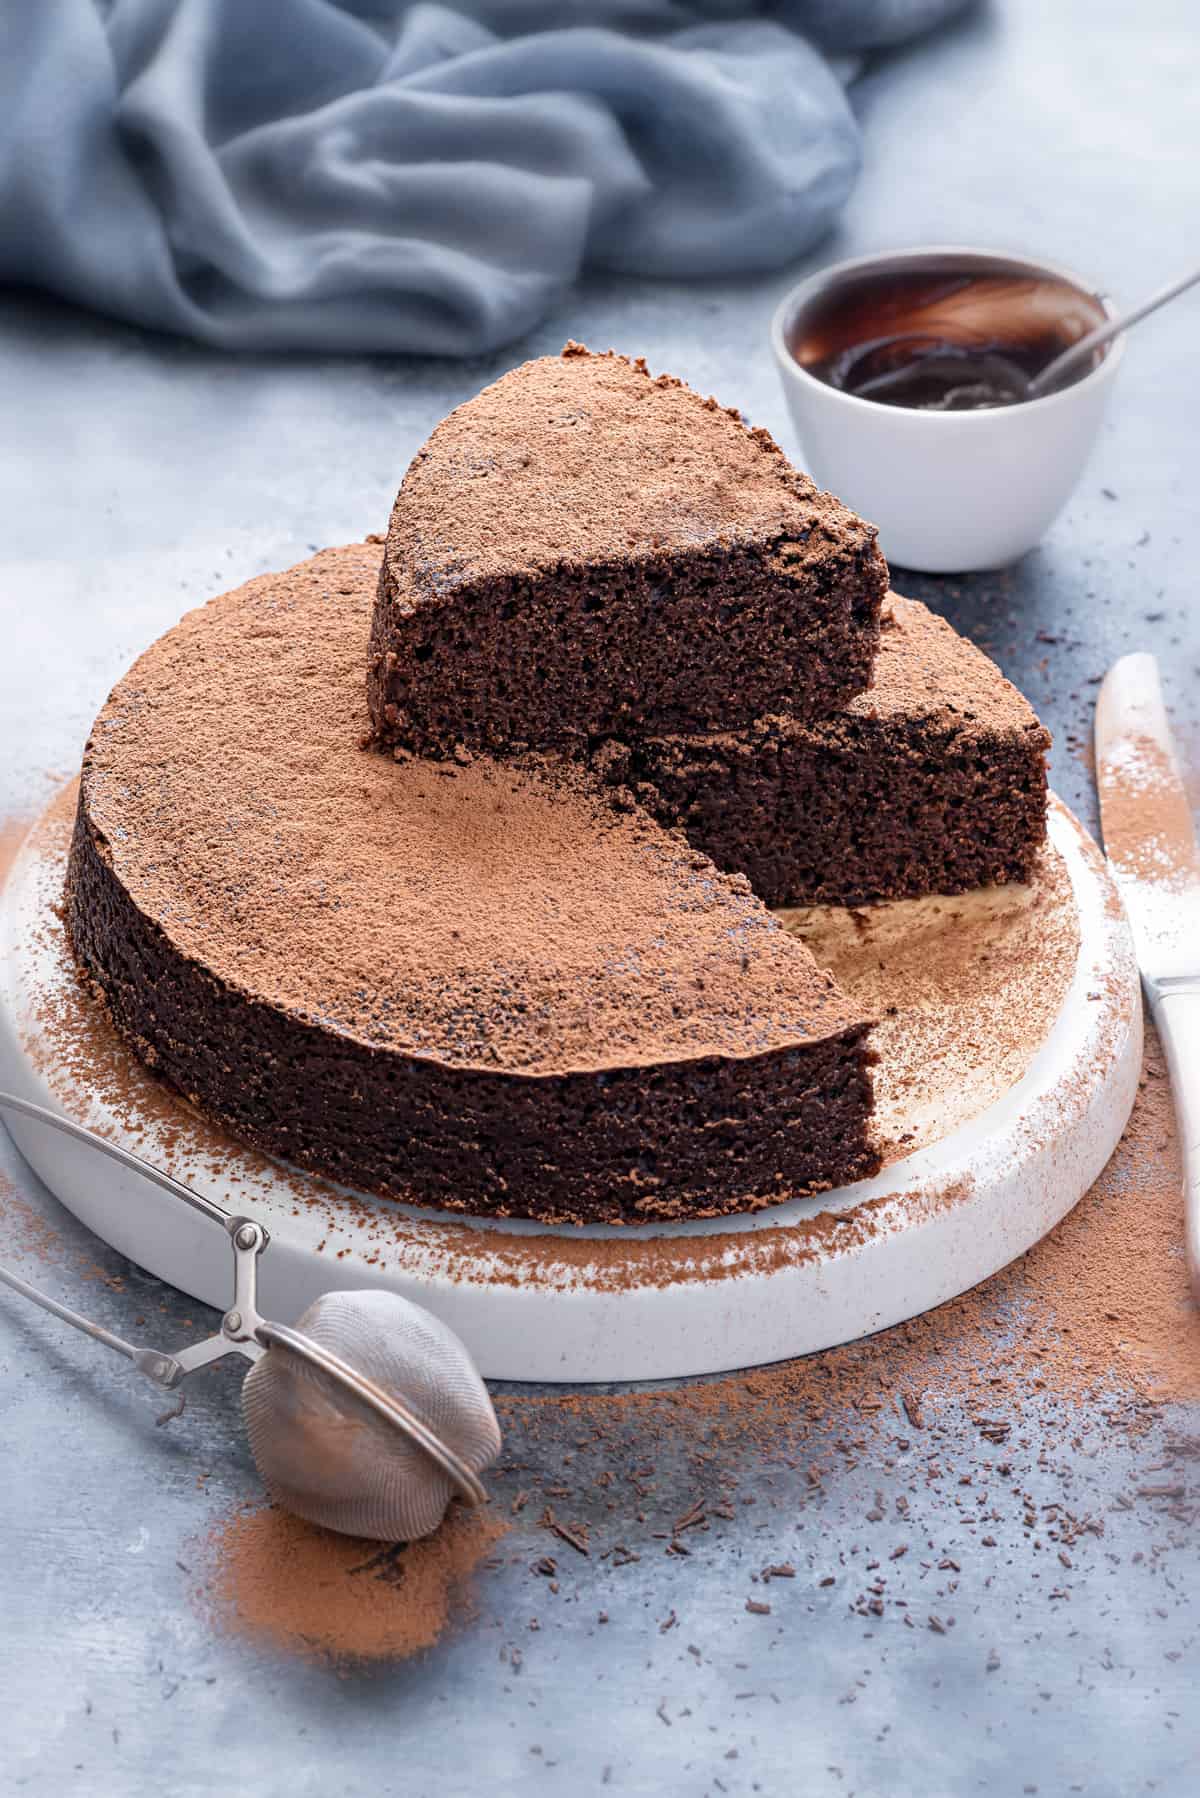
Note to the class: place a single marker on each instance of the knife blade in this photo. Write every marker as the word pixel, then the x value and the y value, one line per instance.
pixel 1149 835
pixel 1150 841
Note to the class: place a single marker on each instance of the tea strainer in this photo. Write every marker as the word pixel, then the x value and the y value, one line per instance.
pixel 366 1416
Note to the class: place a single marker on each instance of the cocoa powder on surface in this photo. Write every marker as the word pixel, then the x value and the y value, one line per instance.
pixel 309 1591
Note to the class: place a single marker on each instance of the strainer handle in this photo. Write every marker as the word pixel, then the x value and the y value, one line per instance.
pixel 96 1331
pixel 248 1238
pixel 237 1335
pixel 162 1369
pixel 125 1157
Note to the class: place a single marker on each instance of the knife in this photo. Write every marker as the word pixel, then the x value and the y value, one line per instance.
pixel 1150 841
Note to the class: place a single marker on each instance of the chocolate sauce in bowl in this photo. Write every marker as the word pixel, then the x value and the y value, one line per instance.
pixel 942 340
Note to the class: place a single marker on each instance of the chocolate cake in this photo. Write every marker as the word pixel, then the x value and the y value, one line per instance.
pixel 932 781
pixel 478 986
pixel 585 551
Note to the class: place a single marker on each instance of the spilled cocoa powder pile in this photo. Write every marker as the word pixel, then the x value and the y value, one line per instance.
pixel 306 1590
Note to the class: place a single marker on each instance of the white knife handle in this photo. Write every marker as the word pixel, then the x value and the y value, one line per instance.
pixel 1177 1014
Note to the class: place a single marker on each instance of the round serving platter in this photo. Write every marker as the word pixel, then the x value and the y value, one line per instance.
pixel 1010 1043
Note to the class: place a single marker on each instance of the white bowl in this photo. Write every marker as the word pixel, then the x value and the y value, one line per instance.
pixel 949 491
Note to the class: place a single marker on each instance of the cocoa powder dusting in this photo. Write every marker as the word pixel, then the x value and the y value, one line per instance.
pixel 639 463
pixel 308 1591
pixel 1147 818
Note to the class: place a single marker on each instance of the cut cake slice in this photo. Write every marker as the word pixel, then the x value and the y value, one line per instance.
pixel 584 551
pixel 932 781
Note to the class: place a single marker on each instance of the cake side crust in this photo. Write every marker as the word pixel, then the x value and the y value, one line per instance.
pixel 704 1138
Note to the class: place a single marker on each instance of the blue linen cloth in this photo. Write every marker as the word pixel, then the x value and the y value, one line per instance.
pixel 372 175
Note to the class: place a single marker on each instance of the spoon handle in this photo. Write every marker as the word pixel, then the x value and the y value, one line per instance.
pixel 1112 327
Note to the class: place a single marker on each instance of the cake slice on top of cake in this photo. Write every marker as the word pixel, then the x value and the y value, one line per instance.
pixel 584 550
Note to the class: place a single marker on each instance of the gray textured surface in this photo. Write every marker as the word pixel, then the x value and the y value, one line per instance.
pixel 137 477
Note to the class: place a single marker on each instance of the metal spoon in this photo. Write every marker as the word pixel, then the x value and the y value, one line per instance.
pixel 1054 371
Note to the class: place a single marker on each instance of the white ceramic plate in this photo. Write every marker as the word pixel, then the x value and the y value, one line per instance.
pixel 535 1303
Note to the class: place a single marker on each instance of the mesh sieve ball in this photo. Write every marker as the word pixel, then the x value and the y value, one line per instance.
pixel 328 1457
